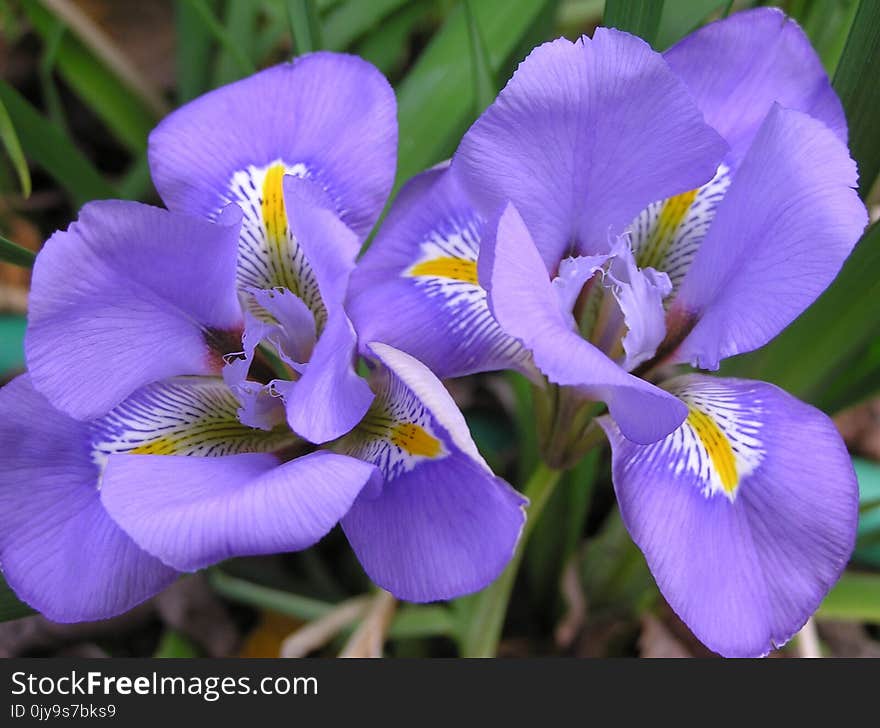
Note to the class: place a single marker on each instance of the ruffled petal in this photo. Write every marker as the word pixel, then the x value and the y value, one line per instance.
pixel 524 302
pixel 780 236
pixel 737 68
pixel 329 398
pixel 583 137
pixel 192 512
pixel 746 514
pixel 443 525
pixel 416 287
pixel 128 295
pixel 59 550
pixel 327 117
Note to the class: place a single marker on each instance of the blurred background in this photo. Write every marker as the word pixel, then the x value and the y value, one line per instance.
pixel 83 83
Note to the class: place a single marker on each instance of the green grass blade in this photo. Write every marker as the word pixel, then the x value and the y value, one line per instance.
pixel 855 80
pixel 856 597
pixel 353 19
pixel 127 117
pixel 221 34
pixel 193 57
pixel 680 18
pixel 435 100
pixel 640 17
pixel 10 606
pixel 485 85
pixel 305 26
pixel 13 149
pixel 13 253
pixel 386 47
pixel 241 26
pixel 50 148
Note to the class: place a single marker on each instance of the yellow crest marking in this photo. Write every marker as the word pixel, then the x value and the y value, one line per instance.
pixel 457 269
pixel 718 447
pixel 159 446
pixel 274 212
pixel 415 440
pixel 671 215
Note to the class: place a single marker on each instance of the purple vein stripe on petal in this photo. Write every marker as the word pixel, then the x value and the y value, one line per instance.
pixel 583 137
pixel 746 515
pixel 59 550
pixel 128 295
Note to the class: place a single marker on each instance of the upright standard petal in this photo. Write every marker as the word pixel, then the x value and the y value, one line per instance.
pixel 786 225
pixel 327 117
pixel 525 303
pixel 737 68
pixel 59 550
pixel 128 295
pixel 192 512
pixel 746 514
pixel 416 287
pixel 583 137
pixel 443 525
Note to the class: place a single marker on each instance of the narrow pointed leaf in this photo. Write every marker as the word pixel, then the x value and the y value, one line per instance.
pixel 305 26
pixel 13 253
pixel 50 148
pixel 640 17
pixel 13 148
pixel 855 81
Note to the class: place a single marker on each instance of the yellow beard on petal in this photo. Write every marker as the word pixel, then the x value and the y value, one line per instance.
pixel 457 269
pixel 718 447
pixel 415 440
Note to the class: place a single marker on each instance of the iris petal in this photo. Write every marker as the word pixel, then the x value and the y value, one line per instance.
pixel 442 525
pixel 746 514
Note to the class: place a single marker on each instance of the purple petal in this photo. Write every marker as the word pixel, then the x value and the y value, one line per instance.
pixel 60 551
pixel 330 398
pixel 192 512
pixel 443 524
pixel 525 303
pixel 423 263
pixel 639 294
pixel 739 67
pixel 128 295
pixel 325 116
pixel 747 514
pixel 584 136
pixel 780 236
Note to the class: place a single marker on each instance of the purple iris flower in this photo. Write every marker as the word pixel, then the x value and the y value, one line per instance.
pixel 192 393
pixel 616 211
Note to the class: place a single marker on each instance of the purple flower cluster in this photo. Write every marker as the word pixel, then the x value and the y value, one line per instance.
pixel 192 391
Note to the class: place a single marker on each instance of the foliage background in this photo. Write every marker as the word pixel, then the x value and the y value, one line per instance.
pixel 84 81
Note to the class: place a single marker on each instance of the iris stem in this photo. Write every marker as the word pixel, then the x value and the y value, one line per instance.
pixel 482 631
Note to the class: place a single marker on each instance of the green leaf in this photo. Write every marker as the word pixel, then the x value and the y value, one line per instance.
pixel 640 17
pixel 814 350
pixel 856 597
pixel 350 20
pixel 221 34
pixel 192 58
pixel 435 100
pixel 241 27
pixel 10 605
pixel 386 46
pixel 50 148
pixel 417 621
pixel 485 85
pixel 11 343
pixel 126 115
pixel 13 149
pixel 855 81
pixel 175 645
pixel 263 597
pixel 678 19
pixel 305 27
pixel 13 253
